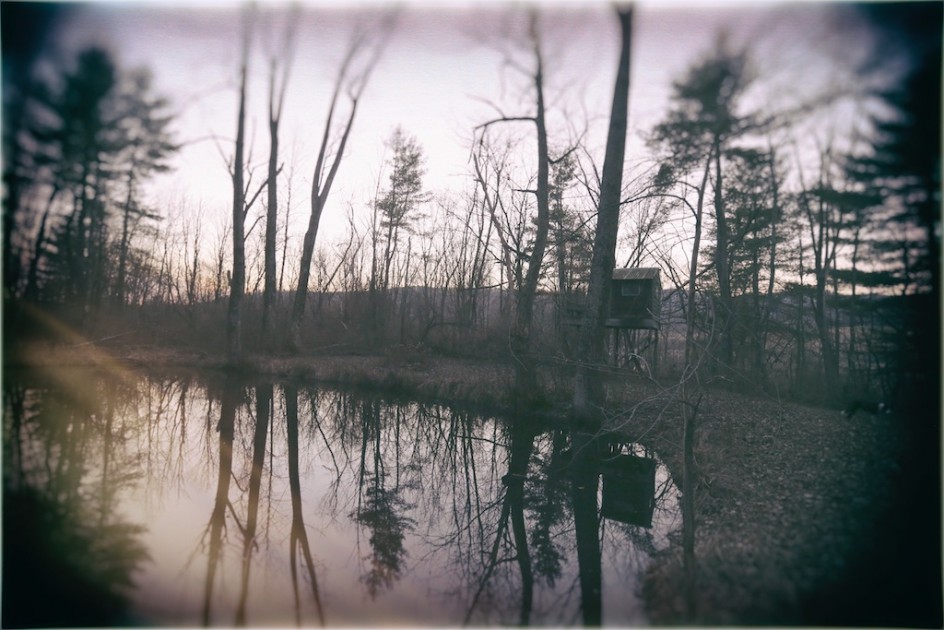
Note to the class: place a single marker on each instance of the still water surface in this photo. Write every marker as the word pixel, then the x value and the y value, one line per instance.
pixel 210 501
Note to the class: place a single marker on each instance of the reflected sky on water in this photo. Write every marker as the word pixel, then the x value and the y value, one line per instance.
pixel 198 500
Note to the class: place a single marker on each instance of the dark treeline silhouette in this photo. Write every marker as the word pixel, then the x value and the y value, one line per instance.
pixel 78 149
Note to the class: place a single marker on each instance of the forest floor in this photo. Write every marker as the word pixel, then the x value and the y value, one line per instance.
pixel 801 514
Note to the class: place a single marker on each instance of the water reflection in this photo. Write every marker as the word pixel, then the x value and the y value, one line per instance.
pixel 226 428
pixel 584 481
pixel 230 503
pixel 298 538
pixel 264 408
pixel 68 553
pixel 380 509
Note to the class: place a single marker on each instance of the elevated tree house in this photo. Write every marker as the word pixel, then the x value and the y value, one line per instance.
pixel 635 299
pixel 633 322
pixel 634 318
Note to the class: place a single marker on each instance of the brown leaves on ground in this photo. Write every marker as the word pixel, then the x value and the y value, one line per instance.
pixel 787 498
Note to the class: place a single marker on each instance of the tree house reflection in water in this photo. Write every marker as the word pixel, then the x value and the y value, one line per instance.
pixel 629 486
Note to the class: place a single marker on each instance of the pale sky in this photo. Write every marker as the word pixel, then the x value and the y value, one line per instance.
pixel 431 79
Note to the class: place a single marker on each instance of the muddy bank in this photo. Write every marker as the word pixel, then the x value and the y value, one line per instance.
pixel 801 514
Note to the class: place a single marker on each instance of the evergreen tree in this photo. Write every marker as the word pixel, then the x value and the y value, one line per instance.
pixel 903 166
pixel 76 134
pixel 699 133
pixel 148 145
pixel 25 26
pixel 397 205
pixel 567 238
pixel 95 134
pixel 754 219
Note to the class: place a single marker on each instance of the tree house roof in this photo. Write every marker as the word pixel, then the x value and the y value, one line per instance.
pixel 636 273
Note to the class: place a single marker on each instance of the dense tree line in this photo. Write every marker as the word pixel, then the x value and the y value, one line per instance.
pixel 79 152
pixel 798 246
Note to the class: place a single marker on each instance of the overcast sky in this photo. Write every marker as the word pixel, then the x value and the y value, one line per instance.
pixel 437 69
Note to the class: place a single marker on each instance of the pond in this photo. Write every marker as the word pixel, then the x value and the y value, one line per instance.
pixel 206 500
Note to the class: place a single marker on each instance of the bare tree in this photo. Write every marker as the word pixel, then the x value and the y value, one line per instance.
pixel 588 389
pixel 525 369
pixel 486 165
pixel 220 263
pixel 324 174
pixel 824 221
pixel 277 86
pixel 238 278
pixel 191 256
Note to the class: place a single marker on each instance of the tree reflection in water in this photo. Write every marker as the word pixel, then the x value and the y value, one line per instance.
pixel 379 508
pixel 298 541
pixel 512 505
pixel 264 409
pixel 232 393
pixel 68 557
pixel 305 506
pixel 584 483
pixel 547 504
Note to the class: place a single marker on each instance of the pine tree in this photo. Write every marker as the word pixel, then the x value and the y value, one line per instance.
pixel 699 134
pixel 398 204
pixel 77 132
pixel 95 134
pixel 144 124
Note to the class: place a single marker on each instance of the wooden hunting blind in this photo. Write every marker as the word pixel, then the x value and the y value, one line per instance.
pixel 635 299
pixel 633 321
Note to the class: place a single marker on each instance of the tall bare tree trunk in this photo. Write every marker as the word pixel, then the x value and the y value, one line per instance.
pixel 722 265
pixel 124 243
pixel 689 413
pixel 323 178
pixel 276 101
pixel 238 278
pixel 272 212
pixel 525 369
pixel 32 279
pixel 771 265
pixel 588 387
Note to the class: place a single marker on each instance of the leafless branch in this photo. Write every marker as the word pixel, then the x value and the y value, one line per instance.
pixel 252 227
pixel 258 192
pixel 506 119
